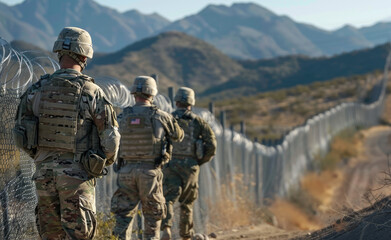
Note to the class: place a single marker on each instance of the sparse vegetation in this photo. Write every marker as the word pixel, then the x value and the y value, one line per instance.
pixel 228 213
pixel 343 146
pixel 315 194
pixel 270 115
pixel 105 227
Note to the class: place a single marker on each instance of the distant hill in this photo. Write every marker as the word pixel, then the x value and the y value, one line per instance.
pixel 378 33
pixel 40 21
pixel 182 60
pixel 283 72
pixel 12 28
pixel 242 30
pixel 179 59
pixel 247 30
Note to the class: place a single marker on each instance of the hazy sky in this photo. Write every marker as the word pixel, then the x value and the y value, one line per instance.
pixel 327 14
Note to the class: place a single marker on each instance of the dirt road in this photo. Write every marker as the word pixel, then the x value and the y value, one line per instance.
pixel 365 175
pixel 361 176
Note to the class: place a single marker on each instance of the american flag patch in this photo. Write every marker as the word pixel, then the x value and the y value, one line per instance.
pixel 135 121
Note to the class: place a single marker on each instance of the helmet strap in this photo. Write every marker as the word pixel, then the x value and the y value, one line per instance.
pixel 74 57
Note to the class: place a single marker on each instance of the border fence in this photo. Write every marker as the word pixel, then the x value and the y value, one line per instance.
pixel 266 171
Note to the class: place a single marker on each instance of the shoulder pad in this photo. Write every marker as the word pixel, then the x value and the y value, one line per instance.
pixel 160 112
pixel 38 84
pixel 90 88
pixel 192 115
pixel 163 116
pixel 127 110
pixel 200 120
pixel 188 115
pixel 86 78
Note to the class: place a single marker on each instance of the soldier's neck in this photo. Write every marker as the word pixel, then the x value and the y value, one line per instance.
pixel 143 103
pixel 184 108
pixel 66 63
pixel 74 67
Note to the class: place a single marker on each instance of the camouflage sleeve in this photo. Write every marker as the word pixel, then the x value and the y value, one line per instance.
pixel 172 128
pixel 106 123
pixel 209 140
pixel 178 133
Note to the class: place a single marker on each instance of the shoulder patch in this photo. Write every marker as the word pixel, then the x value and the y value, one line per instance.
pixel 162 113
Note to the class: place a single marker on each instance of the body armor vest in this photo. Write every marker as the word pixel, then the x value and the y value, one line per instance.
pixel 138 141
pixel 62 123
pixel 186 148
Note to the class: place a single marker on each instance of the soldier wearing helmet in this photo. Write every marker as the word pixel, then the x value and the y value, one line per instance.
pixel 181 176
pixel 145 131
pixel 67 125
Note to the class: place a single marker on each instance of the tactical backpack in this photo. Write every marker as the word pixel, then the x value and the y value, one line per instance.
pixel 191 146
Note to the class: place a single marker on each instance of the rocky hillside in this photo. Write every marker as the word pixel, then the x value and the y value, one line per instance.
pixel 178 59
pixel 40 21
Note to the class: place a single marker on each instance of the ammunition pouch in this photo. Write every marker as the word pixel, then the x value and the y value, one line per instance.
pixel 20 138
pixel 199 149
pixel 25 135
pixel 94 164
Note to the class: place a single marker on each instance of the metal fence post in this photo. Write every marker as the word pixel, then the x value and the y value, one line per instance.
pixel 212 108
pixel 257 174
pixel 171 96
pixel 223 119
pixel 243 128
pixel 243 155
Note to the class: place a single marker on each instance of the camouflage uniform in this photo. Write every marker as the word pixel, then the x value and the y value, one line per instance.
pixel 144 128
pixel 181 175
pixel 66 192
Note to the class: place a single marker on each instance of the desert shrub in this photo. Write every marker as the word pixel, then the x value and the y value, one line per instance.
pixel 319 93
pixel 343 146
pixel 106 223
pixel 234 211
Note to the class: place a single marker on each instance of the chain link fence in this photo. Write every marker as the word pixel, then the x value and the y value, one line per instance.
pixel 17 192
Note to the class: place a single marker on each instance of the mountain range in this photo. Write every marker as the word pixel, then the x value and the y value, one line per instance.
pixel 183 60
pixel 40 21
pixel 242 30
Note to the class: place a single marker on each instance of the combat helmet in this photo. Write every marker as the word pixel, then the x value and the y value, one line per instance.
pixel 74 41
pixel 185 95
pixel 144 86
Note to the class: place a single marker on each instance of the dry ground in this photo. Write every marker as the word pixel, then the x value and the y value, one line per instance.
pixel 337 193
pixel 355 184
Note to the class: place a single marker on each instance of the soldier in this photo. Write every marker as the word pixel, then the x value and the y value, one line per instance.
pixel 144 148
pixel 70 129
pixel 181 175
